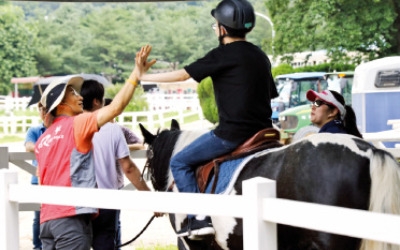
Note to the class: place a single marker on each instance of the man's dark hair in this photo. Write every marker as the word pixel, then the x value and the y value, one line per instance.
pixel 91 90
pixel 107 101
pixel 236 33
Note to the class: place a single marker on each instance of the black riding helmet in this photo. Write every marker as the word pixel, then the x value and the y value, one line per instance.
pixel 235 14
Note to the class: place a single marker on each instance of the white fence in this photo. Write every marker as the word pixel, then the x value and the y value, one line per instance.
pixel 156 101
pixel 10 104
pixel 160 105
pixel 261 214
pixel 392 135
pixel 155 119
pixel 159 101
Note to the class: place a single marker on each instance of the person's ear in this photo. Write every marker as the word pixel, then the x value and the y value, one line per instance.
pixel 333 112
pixel 97 103
pixel 223 30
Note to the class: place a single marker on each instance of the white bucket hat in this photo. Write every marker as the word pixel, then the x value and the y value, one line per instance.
pixel 54 93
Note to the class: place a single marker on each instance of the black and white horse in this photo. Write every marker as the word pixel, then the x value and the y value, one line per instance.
pixel 331 169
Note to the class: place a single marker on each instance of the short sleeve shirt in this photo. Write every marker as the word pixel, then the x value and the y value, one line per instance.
pixel 243 87
pixel 109 145
pixel 65 157
pixel 32 135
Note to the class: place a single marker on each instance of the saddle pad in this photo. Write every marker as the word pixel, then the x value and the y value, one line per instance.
pixel 228 173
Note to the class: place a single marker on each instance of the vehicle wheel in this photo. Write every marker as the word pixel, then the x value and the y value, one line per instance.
pixel 305 131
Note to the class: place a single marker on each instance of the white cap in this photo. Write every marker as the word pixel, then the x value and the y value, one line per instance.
pixel 327 97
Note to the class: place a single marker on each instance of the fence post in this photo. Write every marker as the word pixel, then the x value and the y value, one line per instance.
pixel 3 157
pixel 257 233
pixel 181 116
pixel 9 227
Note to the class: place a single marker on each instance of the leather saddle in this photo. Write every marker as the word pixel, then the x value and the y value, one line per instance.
pixel 264 139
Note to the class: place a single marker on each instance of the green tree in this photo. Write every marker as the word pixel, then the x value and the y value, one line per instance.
pixel 63 40
pixel 138 101
pixel 205 92
pixel 370 27
pixel 17 46
pixel 182 33
pixel 282 69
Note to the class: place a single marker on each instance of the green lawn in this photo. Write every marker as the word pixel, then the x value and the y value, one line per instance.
pixel 18 138
pixel 10 138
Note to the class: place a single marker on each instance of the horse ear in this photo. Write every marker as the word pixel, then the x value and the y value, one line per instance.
pixel 148 137
pixel 175 125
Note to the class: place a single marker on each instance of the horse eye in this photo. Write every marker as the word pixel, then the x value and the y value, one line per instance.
pixel 149 154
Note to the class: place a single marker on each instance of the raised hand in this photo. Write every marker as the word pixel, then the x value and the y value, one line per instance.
pixel 141 63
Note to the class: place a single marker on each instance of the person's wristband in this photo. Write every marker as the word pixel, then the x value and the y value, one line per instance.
pixel 133 82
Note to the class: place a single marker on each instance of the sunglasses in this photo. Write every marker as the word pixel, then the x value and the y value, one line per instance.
pixel 74 92
pixel 319 103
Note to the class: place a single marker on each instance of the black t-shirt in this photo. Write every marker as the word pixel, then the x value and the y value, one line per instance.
pixel 243 88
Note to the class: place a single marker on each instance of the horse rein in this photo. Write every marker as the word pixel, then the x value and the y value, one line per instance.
pixel 138 235
pixel 149 155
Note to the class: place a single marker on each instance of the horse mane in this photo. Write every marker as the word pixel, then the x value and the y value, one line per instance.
pixel 163 145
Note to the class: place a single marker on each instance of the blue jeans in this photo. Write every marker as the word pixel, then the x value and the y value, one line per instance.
pixel 203 149
pixel 37 243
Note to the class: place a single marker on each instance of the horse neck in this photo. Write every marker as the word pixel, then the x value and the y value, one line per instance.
pixel 187 137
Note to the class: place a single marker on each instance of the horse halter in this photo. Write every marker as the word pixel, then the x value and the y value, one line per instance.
pixel 150 170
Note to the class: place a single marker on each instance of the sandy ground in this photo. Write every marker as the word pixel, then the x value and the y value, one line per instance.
pixel 159 233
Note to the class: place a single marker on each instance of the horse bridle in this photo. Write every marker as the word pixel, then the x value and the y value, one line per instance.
pixel 150 170
pixel 149 156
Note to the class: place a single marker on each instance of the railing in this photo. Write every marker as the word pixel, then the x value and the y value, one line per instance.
pixel 155 119
pixel 260 216
pixel 158 101
pixel 161 105
pixel 18 125
pixel 10 104
pixel 393 135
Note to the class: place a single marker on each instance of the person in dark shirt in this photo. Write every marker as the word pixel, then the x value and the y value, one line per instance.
pixel 243 88
pixel 330 113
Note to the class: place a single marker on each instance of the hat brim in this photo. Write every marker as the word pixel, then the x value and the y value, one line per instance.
pixel 311 95
pixel 327 97
pixel 74 81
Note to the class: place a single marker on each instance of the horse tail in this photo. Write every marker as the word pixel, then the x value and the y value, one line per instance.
pixel 385 192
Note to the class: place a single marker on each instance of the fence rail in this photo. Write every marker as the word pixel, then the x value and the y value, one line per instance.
pixel 262 213
pixel 160 105
pixel 260 216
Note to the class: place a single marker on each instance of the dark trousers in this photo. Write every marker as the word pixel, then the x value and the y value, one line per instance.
pixel 37 243
pixel 105 228
pixel 68 233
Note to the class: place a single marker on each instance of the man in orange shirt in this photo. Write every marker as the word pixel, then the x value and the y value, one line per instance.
pixel 65 156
